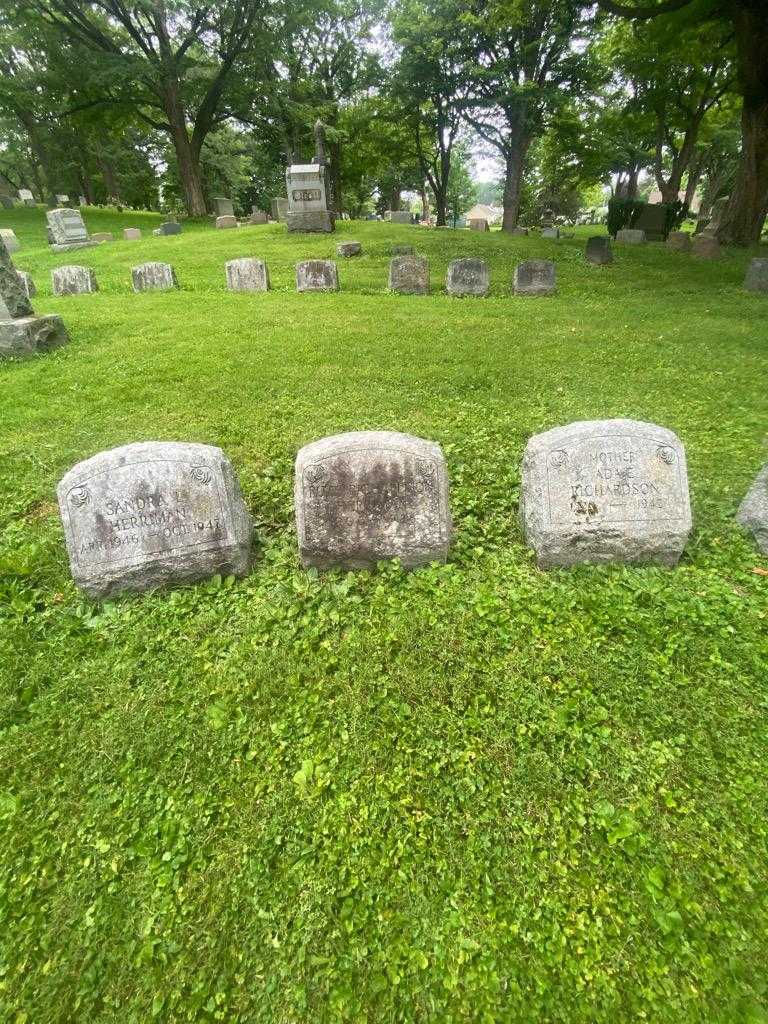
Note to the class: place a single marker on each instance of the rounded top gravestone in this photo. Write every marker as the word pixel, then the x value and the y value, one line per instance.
pixel 605 491
pixel 371 495
pixel 468 277
pixel 151 514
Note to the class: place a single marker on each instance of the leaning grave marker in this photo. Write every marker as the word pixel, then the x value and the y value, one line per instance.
pixel 21 332
pixel 152 514
pixel 370 495
pixel 605 491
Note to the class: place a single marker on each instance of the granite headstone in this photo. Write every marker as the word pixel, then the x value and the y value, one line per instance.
pixel 753 511
pixel 74 281
pixel 21 332
pixel 317 276
pixel 153 277
pixel 468 277
pixel 409 275
pixel 247 275
pixel 756 279
pixel 534 277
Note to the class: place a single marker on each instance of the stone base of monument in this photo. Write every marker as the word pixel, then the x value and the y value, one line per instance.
pixel 30 334
pixel 605 491
pixel 70 246
pixel 310 221
pixel 153 514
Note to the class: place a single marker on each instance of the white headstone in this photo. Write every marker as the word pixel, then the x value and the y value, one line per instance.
pixel 247 275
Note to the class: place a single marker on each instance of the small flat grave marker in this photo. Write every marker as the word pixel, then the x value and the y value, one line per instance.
pixel 74 281
pixel 317 276
pixel 153 276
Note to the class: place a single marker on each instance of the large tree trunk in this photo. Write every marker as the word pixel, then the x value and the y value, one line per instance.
pixel 513 180
pixel 188 161
pixel 424 204
pixel 441 204
pixel 394 198
pixel 745 214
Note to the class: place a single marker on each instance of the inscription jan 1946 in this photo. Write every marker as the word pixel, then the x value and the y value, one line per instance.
pixel 617 479
pixel 117 518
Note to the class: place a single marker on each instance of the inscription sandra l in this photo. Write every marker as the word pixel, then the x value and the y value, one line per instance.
pixel 152 514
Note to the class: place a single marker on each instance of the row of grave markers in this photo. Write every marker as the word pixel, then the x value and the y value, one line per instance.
pixel 160 513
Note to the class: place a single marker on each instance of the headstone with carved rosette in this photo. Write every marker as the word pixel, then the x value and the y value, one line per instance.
pixel 605 491
pixel 153 514
pixel 372 495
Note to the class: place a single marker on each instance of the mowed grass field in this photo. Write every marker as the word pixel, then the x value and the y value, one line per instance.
pixel 473 793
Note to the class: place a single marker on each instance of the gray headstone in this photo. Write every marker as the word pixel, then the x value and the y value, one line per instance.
pixel 307 199
pixel 317 276
pixel 605 491
pixel 279 207
pixel 223 207
pixel 62 198
pixel 520 231
pixel 102 236
pixel 409 275
pixel 66 227
pixel 28 284
pixel 756 279
pixel 226 221
pixel 716 215
pixel 7 202
pixel 753 511
pixel 258 217
pixel 534 277
pixel 599 250
pixel 400 217
pixel 630 236
pixel 372 495
pixel 153 514
pixel 73 281
pixel 706 247
pixel 131 234
pixel 402 250
pixel 478 224
pixel 679 241
pixel 468 277
pixel 349 249
pixel 247 275
pixel 550 232
pixel 8 236
pixel 21 332
pixel 83 201
pixel 653 221
pixel 26 197
pixel 170 227
pixel 153 276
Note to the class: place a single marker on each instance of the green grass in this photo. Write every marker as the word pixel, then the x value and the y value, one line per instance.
pixel 477 792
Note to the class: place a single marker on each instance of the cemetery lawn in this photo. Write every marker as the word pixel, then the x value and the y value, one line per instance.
pixel 476 792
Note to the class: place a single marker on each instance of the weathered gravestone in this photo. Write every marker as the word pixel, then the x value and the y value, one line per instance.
pixel 21 332
pixel 153 277
pixel 550 232
pixel 258 217
pixel 653 221
pixel 372 495
pixel 61 198
pixel 711 224
pixel 247 275
pixel 29 285
pixel 409 275
pixel 468 277
pixel 153 514
pixel 102 236
pixel 279 207
pixel 307 199
pixel 66 230
pixel 317 276
pixel 347 249
pixel 534 277
pixel 679 241
pixel 169 227
pixel 223 207
pixel 131 234
pixel 26 197
pixel 706 247
pixel 753 511
pixel 478 224
pixel 400 217
pixel 74 281
pixel 402 250
pixel 226 222
pixel 520 231
pixel 630 236
pixel 605 491
pixel 756 279
pixel 7 202
pixel 8 236
pixel 599 250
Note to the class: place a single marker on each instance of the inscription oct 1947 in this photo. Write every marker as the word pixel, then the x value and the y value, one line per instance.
pixel 372 495
pixel 153 513
pixel 611 490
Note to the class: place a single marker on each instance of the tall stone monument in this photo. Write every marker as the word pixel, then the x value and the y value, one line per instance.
pixel 21 332
pixel 308 192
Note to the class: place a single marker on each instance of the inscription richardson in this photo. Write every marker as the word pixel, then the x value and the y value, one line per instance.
pixel 153 513
pixel 605 491
pixel 373 495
